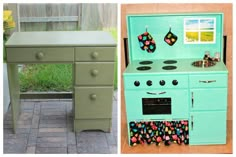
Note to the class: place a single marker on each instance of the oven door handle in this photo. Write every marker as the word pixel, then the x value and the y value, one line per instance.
pixel 151 93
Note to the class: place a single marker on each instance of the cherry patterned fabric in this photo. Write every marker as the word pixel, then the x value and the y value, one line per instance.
pixel 170 38
pixel 159 131
pixel 147 42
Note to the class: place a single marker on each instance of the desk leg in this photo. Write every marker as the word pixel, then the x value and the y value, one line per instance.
pixel 14 93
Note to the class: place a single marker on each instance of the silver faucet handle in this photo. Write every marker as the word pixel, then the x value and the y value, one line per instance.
pixel 217 56
pixel 206 55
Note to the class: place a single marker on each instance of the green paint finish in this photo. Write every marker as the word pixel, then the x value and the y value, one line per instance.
pixel 96 54
pixel 93 102
pixel 61 39
pixel 92 124
pixel 40 55
pixel 129 81
pixel 158 27
pixel 184 66
pixel 179 100
pixel 14 93
pixel 208 128
pixel 208 109
pixel 208 81
pixel 94 73
pixel 209 99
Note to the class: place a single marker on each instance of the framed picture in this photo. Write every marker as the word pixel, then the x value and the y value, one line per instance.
pixel 199 30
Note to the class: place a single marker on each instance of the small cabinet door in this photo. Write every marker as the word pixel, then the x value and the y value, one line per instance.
pixel 208 99
pixel 207 128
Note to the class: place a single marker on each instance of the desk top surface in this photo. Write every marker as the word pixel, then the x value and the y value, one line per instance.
pixel 60 38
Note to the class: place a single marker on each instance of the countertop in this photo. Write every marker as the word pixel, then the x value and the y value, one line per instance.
pixel 60 38
pixel 184 66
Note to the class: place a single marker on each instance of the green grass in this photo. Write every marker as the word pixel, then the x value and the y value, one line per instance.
pixel 52 77
pixel 113 32
pixel 46 77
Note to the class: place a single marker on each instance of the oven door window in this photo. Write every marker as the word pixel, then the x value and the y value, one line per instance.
pixel 156 106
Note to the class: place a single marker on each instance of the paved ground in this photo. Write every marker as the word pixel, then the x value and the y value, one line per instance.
pixel 46 127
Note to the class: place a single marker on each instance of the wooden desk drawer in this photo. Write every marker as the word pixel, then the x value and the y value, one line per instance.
pixel 95 53
pixel 40 54
pixel 93 102
pixel 94 73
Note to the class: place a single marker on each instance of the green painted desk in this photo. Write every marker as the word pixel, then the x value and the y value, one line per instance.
pixel 92 54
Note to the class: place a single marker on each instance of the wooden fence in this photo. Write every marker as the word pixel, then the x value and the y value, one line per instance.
pixel 56 17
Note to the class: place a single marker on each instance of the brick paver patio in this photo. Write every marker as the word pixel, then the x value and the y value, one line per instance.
pixel 45 126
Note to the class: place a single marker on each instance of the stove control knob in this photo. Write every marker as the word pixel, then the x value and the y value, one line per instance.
pixel 136 83
pixel 162 82
pixel 174 82
pixel 149 82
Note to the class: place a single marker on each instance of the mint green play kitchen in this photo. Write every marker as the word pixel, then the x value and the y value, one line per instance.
pixel 92 54
pixel 176 82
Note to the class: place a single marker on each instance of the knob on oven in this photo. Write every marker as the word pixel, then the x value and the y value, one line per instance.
pixel 136 83
pixel 174 82
pixel 162 82
pixel 149 82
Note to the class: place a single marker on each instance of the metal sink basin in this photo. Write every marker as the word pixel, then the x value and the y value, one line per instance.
pixel 203 63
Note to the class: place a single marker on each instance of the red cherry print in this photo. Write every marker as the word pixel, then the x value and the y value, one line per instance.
pixel 154 127
pixel 134 139
pixel 147 43
pixel 174 137
pixel 168 41
pixel 158 139
pixel 140 37
pixel 145 33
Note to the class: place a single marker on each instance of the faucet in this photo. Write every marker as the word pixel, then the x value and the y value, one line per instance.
pixel 207 57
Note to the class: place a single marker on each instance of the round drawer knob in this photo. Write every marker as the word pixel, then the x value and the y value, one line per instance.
pixel 94 55
pixel 174 82
pixel 94 72
pixel 93 96
pixel 40 55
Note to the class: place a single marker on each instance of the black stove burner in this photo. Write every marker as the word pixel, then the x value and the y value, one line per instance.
pixel 170 61
pixel 169 67
pixel 143 68
pixel 146 62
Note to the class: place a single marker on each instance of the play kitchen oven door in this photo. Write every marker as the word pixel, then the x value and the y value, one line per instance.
pixel 157 104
